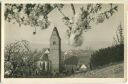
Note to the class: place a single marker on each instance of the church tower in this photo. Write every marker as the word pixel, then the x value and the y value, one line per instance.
pixel 55 51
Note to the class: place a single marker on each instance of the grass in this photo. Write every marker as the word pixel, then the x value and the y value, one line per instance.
pixel 110 71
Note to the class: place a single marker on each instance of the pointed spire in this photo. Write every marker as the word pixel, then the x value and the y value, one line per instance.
pixel 55 30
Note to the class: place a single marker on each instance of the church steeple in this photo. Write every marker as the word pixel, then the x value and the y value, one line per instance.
pixel 55 32
pixel 55 51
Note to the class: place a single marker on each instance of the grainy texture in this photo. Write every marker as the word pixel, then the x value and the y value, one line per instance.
pixel 111 71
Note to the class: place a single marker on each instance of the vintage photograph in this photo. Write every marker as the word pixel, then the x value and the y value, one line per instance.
pixel 64 40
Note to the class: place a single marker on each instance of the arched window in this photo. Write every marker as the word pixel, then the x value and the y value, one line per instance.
pixel 54 42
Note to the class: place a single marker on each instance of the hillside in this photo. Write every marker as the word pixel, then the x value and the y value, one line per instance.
pixel 110 71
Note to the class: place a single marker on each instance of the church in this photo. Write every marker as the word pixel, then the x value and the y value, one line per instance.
pixel 52 60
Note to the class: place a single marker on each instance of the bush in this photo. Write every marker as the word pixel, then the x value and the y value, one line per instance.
pixel 107 55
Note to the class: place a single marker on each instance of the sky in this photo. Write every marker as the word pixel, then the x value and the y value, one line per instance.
pixel 100 36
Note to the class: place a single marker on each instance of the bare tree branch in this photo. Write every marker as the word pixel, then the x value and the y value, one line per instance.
pixel 73 9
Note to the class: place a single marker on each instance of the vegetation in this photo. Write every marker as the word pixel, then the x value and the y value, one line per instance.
pixel 115 70
pixel 111 54
pixel 21 61
pixel 107 55
pixel 36 16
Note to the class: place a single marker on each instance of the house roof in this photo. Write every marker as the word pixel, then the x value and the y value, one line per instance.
pixel 83 66
pixel 47 51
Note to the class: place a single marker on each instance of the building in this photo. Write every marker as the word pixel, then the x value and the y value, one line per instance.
pixel 44 64
pixel 54 60
pixel 55 51
pixel 51 59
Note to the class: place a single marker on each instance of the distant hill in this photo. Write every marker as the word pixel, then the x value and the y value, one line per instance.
pixel 110 71
pixel 83 56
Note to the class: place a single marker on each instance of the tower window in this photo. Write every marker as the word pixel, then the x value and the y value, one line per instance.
pixel 54 42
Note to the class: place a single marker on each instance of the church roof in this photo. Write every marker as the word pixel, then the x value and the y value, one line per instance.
pixel 55 30
pixel 44 57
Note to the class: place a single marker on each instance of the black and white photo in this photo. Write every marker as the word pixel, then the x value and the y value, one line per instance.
pixel 64 40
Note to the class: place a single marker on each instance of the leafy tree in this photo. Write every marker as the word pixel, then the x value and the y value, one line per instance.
pixel 17 59
pixel 36 15
pixel 21 61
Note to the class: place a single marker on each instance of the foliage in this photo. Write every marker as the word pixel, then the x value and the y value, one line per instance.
pixel 36 15
pixel 83 21
pixel 20 60
pixel 107 55
pixel 111 54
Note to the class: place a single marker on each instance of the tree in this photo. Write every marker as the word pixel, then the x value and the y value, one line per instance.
pixel 36 15
pixel 20 60
pixel 17 54
pixel 119 38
